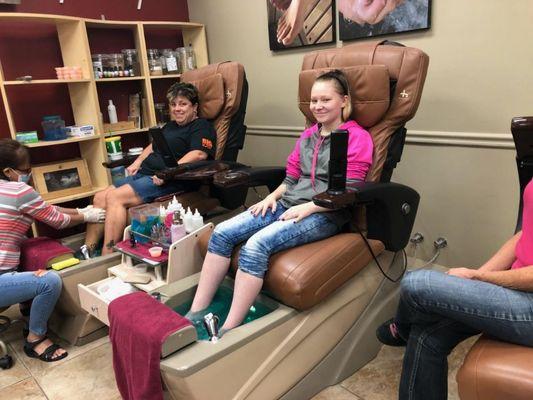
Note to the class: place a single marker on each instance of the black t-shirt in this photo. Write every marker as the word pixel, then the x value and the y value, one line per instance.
pixel 196 135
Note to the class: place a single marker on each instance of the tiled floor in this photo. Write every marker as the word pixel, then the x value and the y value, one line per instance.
pixel 87 373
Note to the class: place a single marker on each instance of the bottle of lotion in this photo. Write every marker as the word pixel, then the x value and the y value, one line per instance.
pixel 112 111
pixel 187 220
pixel 197 220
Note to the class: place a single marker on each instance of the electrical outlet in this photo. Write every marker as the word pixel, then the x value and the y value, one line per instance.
pixel 440 243
pixel 417 238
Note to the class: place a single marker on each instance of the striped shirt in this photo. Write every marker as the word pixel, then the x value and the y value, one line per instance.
pixel 20 205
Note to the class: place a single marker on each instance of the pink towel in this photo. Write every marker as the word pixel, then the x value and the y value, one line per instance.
pixel 36 252
pixel 139 325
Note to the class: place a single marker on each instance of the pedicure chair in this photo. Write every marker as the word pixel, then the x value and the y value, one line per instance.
pixel 322 301
pixel 325 299
pixel 492 369
pixel 223 93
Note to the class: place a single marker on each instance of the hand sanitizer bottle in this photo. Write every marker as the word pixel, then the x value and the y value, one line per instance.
pixel 197 220
pixel 177 229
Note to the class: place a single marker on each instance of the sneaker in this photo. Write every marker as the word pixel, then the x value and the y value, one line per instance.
pixel 387 333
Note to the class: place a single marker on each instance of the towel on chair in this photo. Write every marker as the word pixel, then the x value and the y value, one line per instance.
pixel 36 252
pixel 139 325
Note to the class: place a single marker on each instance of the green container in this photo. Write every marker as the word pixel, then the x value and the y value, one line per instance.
pixel 27 137
pixel 113 145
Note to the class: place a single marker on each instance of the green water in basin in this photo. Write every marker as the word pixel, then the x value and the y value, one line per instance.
pixel 220 307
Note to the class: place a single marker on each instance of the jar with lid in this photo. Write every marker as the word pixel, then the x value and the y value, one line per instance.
pixel 162 114
pixel 116 65
pixel 53 127
pixel 131 63
pixel 170 62
pixel 187 58
pixel 98 66
pixel 154 62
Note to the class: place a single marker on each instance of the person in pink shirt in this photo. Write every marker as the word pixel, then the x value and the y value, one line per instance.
pixel 20 205
pixel 439 310
pixel 287 217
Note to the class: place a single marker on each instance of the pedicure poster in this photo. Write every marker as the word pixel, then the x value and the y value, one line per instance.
pixel 297 23
pixel 367 18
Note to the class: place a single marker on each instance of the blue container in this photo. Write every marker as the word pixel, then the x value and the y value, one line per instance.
pixel 53 127
pixel 118 173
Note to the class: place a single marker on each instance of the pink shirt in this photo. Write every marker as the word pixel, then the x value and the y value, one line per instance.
pixel 524 247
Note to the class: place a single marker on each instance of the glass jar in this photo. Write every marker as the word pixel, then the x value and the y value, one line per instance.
pixel 107 69
pixel 116 65
pixel 131 62
pixel 98 66
pixel 170 62
pixel 187 58
pixel 154 62
pixel 162 115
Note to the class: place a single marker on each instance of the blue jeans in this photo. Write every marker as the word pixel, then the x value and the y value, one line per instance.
pixel 266 236
pixel 145 188
pixel 16 287
pixel 438 311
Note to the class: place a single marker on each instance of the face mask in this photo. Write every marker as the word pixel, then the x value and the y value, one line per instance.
pixel 24 178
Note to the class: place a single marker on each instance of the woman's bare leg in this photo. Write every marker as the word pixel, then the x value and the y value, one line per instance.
pixel 214 270
pixel 117 203
pixel 246 289
pixel 95 232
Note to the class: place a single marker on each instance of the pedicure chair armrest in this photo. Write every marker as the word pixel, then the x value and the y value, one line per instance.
pixel 390 209
pixel 125 161
pixel 197 170
pixel 271 177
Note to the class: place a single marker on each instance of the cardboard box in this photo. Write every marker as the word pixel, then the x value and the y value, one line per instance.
pixel 119 126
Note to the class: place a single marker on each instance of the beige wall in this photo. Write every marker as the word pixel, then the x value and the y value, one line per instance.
pixel 459 155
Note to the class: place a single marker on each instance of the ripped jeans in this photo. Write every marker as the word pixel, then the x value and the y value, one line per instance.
pixel 266 236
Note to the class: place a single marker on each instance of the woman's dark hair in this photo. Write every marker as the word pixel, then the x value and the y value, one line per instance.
pixel 342 87
pixel 187 90
pixel 12 155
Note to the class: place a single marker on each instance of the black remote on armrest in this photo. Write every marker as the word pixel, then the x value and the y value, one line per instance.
pixel 338 161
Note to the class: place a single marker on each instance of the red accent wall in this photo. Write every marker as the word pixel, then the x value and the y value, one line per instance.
pixel 33 49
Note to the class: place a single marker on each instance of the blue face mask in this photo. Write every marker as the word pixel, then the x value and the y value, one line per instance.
pixel 24 177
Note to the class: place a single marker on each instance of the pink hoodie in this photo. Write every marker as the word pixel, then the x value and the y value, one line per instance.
pixel 360 148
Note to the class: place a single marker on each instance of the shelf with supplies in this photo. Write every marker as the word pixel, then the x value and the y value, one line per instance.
pixel 168 76
pixel 120 79
pixel 82 100
pixel 44 143
pixel 45 81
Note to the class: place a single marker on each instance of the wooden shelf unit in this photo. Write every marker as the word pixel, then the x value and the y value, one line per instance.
pixel 72 34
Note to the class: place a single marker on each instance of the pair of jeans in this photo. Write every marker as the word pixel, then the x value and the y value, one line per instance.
pixel 265 236
pixel 17 287
pixel 438 311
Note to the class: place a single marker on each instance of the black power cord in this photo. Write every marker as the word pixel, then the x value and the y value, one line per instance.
pixel 392 261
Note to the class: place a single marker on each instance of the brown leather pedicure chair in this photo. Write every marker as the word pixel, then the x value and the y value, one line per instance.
pixel 326 297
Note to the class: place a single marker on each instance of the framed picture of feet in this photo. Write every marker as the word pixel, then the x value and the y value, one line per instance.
pixel 366 18
pixel 297 23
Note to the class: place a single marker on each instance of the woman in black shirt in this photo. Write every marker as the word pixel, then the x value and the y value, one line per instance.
pixel 190 138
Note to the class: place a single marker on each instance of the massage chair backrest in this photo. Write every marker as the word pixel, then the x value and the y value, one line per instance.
pixel 223 93
pixel 386 84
